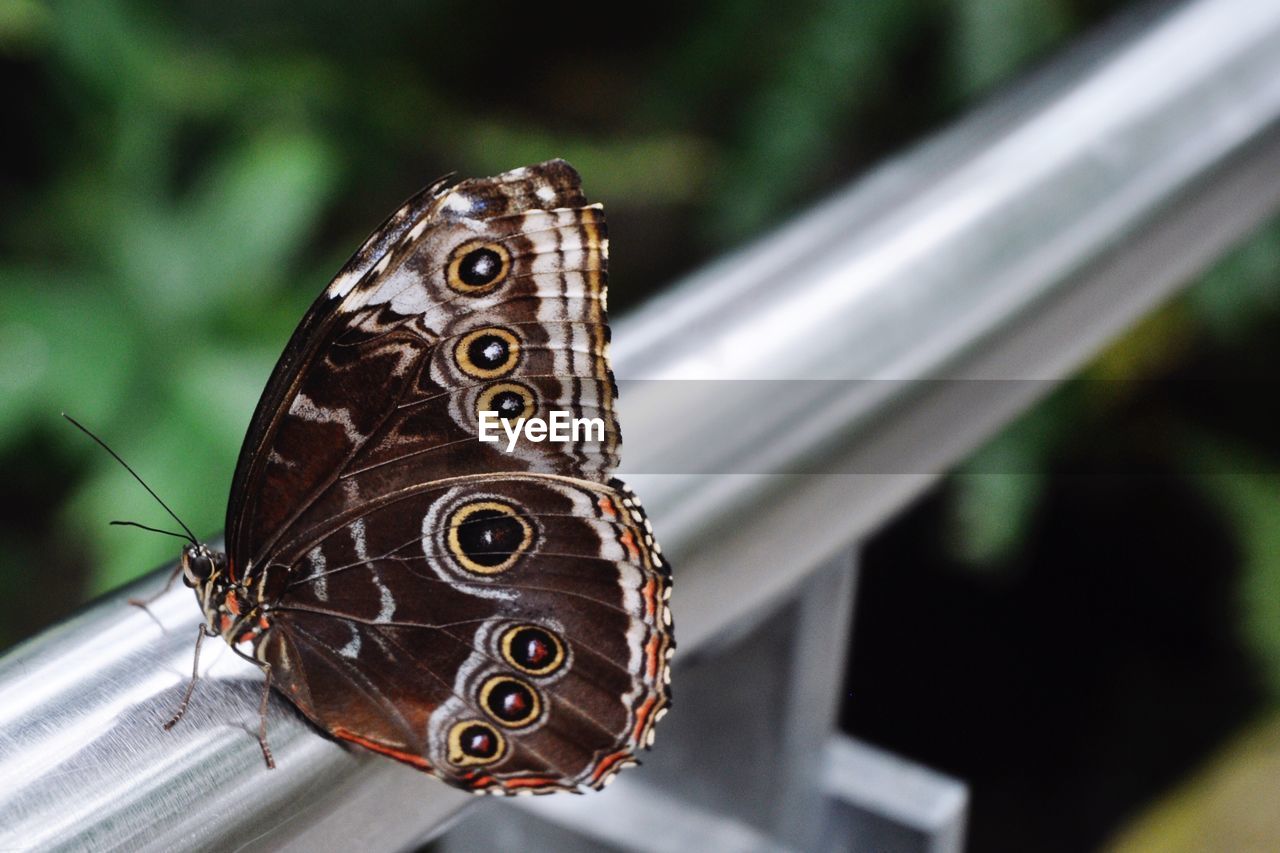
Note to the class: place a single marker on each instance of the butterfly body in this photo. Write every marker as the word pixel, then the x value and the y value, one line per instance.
pixel 497 618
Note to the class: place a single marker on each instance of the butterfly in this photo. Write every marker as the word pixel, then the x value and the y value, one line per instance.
pixel 497 618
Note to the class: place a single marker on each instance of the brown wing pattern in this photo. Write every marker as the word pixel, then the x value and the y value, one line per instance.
pixel 414 636
pixel 356 381
pixel 311 335
pixel 497 618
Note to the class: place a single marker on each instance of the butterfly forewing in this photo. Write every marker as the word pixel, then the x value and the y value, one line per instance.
pixel 497 617
pixel 359 391
pixel 312 334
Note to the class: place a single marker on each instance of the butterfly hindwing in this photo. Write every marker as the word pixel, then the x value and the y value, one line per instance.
pixel 413 637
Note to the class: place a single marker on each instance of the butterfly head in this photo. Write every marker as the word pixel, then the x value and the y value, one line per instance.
pixel 227 608
pixel 202 566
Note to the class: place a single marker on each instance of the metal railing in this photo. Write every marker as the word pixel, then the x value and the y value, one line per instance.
pixel 1011 246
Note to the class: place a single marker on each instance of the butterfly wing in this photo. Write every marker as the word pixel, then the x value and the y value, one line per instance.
pixel 485 297
pixel 487 294
pixel 258 473
pixel 516 639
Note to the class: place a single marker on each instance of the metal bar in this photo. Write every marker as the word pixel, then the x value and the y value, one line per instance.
pixel 885 803
pixel 655 821
pixel 824 618
pixel 1012 246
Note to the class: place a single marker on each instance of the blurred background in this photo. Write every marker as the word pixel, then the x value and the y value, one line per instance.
pixel 1083 621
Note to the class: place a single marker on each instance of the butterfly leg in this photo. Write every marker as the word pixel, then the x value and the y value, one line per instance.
pixel 195 676
pixel 262 707
pixel 262 715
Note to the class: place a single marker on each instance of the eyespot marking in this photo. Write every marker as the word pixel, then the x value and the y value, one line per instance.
pixel 532 650
pixel 487 537
pixel 477 267
pixel 474 743
pixel 510 702
pixel 510 400
pixel 487 353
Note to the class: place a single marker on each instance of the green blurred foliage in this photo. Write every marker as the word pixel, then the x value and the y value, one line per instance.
pixel 1249 498
pixel 181 179
pixel 992 36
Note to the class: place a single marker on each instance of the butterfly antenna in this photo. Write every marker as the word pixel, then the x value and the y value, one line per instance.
pixel 152 529
pixel 191 537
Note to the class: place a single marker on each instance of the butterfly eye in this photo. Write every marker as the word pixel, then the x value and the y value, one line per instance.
pixel 510 400
pixel 532 650
pixel 512 703
pixel 197 565
pixel 473 742
pixel 487 537
pixel 477 267
pixel 488 353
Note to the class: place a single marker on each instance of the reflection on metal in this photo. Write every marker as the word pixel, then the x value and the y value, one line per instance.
pixel 878 801
pixel 1012 246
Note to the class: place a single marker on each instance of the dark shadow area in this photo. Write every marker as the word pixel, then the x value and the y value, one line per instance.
pixel 1071 686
